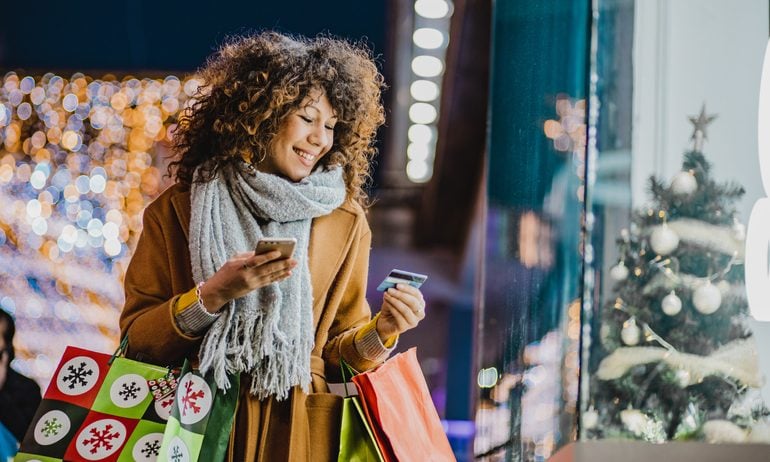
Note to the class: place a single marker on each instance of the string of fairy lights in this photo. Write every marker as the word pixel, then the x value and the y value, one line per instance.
pixel 80 158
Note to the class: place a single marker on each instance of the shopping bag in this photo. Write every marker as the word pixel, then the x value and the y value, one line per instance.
pixel 402 415
pixel 357 442
pixel 100 407
pixel 201 419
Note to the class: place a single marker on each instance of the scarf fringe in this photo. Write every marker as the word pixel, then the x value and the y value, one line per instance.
pixel 268 333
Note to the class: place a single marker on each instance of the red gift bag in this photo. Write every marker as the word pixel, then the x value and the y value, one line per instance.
pixel 100 408
pixel 400 411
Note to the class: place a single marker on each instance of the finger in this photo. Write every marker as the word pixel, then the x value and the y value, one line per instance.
pixel 254 261
pixel 406 310
pixel 416 304
pixel 401 321
pixel 277 266
pixel 280 276
pixel 266 277
pixel 410 290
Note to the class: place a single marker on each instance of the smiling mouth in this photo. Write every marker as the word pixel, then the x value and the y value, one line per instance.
pixel 305 155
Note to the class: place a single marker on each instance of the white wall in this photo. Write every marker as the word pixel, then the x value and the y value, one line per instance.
pixel 687 52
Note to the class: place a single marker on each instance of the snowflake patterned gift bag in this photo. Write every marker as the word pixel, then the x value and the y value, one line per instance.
pixel 99 407
pixel 201 419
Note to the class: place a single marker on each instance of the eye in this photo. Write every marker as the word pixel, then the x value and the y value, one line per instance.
pixel 330 128
pixel 305 118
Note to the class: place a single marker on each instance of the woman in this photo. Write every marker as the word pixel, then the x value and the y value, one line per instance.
pixel 277 144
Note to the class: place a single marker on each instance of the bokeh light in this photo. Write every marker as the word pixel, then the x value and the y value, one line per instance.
pixel 432 9
pixel 428 38
pixel 80 158
pixel 424 90
pixel 427 66
pixel 422 113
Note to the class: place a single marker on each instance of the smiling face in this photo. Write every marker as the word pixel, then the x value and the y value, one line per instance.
pixel 305 136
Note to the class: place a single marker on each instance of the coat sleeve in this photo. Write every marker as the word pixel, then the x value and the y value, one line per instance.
pixel 353 311
pixel 152 278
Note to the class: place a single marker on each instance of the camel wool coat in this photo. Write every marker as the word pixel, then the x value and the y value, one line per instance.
pixel 304 427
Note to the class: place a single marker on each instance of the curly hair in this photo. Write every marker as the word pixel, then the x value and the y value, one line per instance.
pixel 252 83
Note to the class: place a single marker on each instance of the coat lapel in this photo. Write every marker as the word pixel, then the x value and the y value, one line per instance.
pixel 330 239
pixel 181 203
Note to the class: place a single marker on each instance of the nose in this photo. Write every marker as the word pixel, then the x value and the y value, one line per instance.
pixel 319 136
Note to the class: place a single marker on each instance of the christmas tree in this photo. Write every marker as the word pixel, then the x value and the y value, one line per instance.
pixel 676 360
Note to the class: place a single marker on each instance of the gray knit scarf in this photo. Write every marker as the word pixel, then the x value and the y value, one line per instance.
pixel 269 332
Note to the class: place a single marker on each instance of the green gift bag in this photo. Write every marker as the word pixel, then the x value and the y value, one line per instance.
pixel 99 407
pixel 201 418
pixel 357 443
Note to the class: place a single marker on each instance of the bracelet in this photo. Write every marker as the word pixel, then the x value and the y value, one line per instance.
pixel 198 295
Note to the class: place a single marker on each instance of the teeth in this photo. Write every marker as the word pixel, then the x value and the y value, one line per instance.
pixel 305 155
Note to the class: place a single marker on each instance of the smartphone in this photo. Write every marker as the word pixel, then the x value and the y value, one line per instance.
pixel 397 276
pixel 285 245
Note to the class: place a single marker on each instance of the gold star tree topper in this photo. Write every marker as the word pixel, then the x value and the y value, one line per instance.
pixel 699 127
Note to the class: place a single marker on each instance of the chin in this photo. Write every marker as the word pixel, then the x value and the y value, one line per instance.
pixel 298 176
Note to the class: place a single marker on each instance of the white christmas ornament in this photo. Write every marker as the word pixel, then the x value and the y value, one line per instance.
pixel 671 304
pixel 635 421
pixel 619 272
pixel 707 298
pixel 590 418
pixel 684 184
pixel 630 333
pixel 664 240
pixel 739 230
pixel 723 431
pixel 683 378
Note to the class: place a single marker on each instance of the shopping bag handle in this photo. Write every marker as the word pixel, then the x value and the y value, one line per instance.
pixel 120 350
pixel 345 367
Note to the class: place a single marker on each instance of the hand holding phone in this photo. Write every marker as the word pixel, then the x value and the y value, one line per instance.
pixel 397 276
pixel 285 245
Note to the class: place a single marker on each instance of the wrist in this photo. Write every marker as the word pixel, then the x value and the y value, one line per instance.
pixel 382 332
pixel 208 298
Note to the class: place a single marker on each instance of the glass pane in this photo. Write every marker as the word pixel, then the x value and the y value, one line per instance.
pixel 673 179
pixel 529 332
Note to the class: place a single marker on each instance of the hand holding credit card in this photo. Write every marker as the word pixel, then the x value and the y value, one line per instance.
pixel 398 276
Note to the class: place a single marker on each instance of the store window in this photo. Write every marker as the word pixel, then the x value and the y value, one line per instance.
pixel 530 308
pixel 674 353
pixel 625 180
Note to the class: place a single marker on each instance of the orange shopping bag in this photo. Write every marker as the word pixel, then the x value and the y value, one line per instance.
pixel 401 413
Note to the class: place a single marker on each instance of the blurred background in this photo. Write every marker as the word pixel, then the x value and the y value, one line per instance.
pixel 519 143
pixel 89 97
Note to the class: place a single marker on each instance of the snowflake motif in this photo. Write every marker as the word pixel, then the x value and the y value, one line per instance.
pixel 190 398
pixel 129 391
pixel 101 438
pixel 151 449
pixel 77 376
pixel 167 402
pixel 176 456
pixel 51 427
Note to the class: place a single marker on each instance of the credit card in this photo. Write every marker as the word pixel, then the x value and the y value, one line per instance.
pixel 398 276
